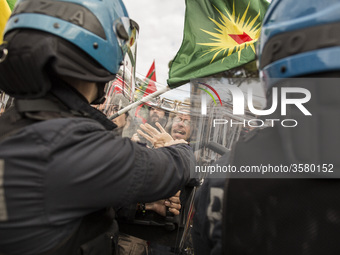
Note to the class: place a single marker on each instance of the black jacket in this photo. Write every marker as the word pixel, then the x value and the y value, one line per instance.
pixel 56 171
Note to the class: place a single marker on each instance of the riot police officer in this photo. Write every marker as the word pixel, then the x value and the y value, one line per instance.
pixel 294 207
pixel 290 210
pixel 62 170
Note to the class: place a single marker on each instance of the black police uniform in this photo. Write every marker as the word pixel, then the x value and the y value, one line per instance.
pixel 61 169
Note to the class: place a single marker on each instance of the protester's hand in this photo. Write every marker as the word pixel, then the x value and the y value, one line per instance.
pixel 160 206
pixel 157 138
pixel 135 138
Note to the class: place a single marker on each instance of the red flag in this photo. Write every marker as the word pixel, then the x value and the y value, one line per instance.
pixel 151 88
pixel 118 85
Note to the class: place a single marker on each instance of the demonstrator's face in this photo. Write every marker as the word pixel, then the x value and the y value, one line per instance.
pixel 156 114
pixel 181 127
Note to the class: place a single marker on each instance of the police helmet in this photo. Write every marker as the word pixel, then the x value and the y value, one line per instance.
pixel 299 38
pixel 78 38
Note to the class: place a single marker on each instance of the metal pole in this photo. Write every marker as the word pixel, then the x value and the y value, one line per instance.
pixel 143 100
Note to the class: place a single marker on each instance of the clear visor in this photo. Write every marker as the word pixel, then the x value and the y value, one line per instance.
pixel 127 35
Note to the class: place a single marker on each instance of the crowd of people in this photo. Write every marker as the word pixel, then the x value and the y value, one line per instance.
pixel 73 181
pixel 150 226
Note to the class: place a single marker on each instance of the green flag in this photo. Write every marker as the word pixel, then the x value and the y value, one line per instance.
pixel 218 35
pixel 11 4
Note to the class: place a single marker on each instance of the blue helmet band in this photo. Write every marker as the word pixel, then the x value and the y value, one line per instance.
pixel 97 27
pixel 303 64
pixel 299 41
pixel 70 12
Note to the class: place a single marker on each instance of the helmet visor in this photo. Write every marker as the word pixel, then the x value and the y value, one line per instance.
pixel 127 34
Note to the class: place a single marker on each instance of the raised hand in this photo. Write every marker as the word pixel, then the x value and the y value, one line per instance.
pixel 158 138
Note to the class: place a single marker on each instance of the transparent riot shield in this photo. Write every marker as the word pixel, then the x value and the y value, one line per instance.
pixel 220 114
pixel 203 114
pixel 220 110
pixel 171 112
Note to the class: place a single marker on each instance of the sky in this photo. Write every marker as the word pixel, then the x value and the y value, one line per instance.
pixel 161 25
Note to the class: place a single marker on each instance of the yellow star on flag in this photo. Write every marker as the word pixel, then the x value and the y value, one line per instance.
pixel 233 33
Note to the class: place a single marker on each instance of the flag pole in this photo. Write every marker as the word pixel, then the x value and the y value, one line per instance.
pixel 143 100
